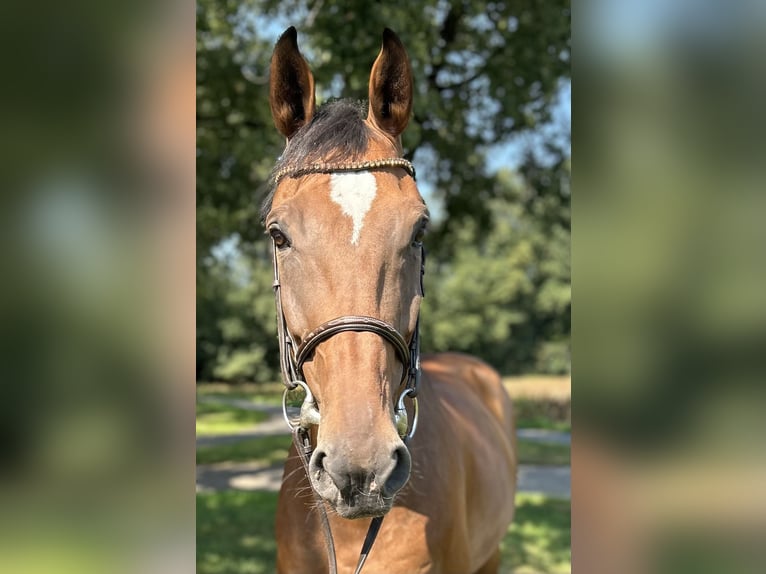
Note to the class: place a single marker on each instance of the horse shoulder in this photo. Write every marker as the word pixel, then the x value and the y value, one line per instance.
pixel 471 374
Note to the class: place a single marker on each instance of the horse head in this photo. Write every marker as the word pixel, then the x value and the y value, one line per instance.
pixel 347 221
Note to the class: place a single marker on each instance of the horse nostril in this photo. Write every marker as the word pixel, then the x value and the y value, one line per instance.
pixel 316 464
pixel 400 473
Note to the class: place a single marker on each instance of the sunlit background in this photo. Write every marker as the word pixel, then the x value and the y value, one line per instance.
pixel 670 277
pixel 490 138
pixel 98 305
pixel 96 284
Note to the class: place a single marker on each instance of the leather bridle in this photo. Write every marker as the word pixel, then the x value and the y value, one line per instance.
pixel 293 356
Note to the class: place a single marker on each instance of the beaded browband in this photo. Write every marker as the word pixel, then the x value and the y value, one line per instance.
pixel 347 166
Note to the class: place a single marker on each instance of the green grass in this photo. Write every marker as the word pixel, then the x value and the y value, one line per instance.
pixel 533 452
pixel 235 534
pixel 539 537
pixel 542 422
pixel 267 450
pixel 217 418
pixel 542 414
pixel 265 394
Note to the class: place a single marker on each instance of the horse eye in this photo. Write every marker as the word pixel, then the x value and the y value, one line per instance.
pixel 417 239
pixel 280 240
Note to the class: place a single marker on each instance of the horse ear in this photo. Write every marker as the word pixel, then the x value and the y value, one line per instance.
pixel 391 86
pixel 291 85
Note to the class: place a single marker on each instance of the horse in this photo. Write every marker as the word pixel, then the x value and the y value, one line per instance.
pixel 347 222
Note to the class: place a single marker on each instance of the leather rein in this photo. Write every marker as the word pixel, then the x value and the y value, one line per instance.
pixel 293 356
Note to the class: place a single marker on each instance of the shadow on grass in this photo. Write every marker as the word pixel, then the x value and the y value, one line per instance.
pixel 235 534
pixel 534 452
pixel 539 540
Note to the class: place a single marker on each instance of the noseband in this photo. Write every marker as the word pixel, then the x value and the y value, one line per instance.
pixel 293 356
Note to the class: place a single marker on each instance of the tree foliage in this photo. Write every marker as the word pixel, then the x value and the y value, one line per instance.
pixel 498 273
pixel 505 293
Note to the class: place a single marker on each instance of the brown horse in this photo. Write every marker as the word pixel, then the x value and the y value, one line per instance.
pixel 347 221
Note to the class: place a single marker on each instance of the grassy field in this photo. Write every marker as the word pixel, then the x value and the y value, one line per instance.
pixel 539 539
pixel 268 394
pixel 533 452
pixel 268 450
pixel 218 418
pixel 541 402
pixel 235 534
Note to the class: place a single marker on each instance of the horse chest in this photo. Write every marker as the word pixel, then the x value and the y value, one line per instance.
pixel 402 547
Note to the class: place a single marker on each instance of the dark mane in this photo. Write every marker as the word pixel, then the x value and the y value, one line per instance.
pixel 336 132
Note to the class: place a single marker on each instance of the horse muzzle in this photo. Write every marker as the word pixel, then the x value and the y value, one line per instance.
pixel 355 490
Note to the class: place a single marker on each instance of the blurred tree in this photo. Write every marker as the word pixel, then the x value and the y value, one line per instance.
pixel 485 72
pixel 235 320
pixel 505 293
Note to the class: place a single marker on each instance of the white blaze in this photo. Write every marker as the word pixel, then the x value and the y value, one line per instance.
pixel 354 193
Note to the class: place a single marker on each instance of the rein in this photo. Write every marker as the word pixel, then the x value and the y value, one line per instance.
pixel 293 356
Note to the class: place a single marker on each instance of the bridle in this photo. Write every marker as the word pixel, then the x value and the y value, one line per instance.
pixel 293 356
pixel 337 167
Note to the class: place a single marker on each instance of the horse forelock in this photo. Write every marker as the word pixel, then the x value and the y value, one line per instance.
pixel 336 132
